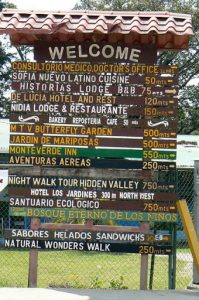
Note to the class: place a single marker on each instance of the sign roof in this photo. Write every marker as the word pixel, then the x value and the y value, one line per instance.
pixel 163 29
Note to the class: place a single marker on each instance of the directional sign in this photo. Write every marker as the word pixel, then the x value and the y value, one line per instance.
pixel 91 153
pixel 74 162
pixel 113 122
pixel 94 89
pixel 60 153
pixel 93 143
pixel 26 97
pixel 161 205
pixel 158 206
pixel 67 182
pixel 94 214
pixel 94 78
pixel 94 68
pixel 86 235
pixel 91 194
pixel 89 110
pixel 88 246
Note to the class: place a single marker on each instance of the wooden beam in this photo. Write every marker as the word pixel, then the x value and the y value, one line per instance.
pixel 89 226
pixel 189 230
pixel 144 264
pixel 33 259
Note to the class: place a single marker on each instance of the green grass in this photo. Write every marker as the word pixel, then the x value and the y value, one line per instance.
pixel 87 270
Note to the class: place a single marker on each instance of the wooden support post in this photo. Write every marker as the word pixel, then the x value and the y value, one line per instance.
pixel 32 272
pixel 189 230
pixel 144 264
pixel 144 272
pixel 33 259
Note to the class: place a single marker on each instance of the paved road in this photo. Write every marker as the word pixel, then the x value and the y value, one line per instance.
pixel 82 294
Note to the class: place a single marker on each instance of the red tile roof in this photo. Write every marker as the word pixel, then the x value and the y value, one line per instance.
pixel 164 29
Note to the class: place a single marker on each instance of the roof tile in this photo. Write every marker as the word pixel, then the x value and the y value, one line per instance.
pixel 29 26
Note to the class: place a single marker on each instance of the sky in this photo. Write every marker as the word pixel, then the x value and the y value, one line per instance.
pixel 3 179
pixel 44 4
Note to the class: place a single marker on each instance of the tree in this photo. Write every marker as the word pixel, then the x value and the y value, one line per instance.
pixel 7 55
pixel 5 59
pixel 187 60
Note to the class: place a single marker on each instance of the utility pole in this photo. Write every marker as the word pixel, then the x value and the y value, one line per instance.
pixel 196 213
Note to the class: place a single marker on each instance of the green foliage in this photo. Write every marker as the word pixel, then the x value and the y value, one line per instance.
pixel 5 59
pixel 7 55
pixel 187 60
pixel 195 132
pixel 73 281
pixel 189 110
pixel 118 284
pixel 4 4
pixel 96 283
pixel 123 5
